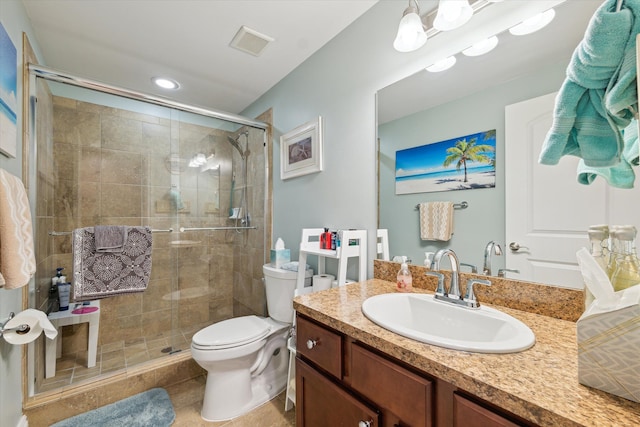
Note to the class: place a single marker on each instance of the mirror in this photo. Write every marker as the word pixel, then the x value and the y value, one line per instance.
pixel 469 98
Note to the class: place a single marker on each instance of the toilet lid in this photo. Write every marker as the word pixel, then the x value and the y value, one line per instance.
pixel 232 332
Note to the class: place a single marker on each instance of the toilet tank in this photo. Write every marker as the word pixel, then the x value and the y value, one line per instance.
pixel 280 286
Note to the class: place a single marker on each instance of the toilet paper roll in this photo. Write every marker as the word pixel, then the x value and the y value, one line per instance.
pixel 322 282
pixel 37 322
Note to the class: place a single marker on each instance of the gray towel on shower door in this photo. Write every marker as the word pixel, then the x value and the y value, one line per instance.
pixel 106 274
pixel 110 238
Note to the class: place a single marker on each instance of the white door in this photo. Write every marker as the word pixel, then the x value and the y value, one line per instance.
pixel 547 211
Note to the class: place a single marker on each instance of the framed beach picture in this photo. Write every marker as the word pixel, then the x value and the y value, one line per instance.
pixel 8 97
pixel 301 150
pixel 463 163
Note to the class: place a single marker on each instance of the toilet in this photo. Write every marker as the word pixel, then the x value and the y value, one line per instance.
pixel 246 357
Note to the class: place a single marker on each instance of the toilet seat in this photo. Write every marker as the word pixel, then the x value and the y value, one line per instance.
pixel 231 333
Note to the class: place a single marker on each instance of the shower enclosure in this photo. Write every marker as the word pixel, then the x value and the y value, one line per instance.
pixel 101 155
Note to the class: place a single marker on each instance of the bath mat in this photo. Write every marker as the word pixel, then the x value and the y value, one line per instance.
pixel 152 408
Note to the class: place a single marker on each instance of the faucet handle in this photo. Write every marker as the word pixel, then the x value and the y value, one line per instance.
pixel 503 271
pixel 440 276
pixel 473 268
pixel 470 298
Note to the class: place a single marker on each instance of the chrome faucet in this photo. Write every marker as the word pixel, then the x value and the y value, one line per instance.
pixel 452 295
pixel 454 287
pixel 491 249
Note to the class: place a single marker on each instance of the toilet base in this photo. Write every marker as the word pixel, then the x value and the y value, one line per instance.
pixel 265 387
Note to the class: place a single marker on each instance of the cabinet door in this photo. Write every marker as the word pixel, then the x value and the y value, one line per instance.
pixel 322 403
pixel 404 398
pixel 469 414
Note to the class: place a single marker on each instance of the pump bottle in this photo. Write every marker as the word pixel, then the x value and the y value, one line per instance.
pixel 405 281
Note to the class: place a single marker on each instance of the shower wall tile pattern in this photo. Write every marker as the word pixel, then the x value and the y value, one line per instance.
pixel 102 165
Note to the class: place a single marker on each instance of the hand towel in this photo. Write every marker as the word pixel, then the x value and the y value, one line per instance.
pixel 620 175
pixel 17 254
pixel 581 124
pixel 110 238
pixel 105 274
pixel 436 220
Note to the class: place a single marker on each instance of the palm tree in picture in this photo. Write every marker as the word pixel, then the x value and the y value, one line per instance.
pixel 467 151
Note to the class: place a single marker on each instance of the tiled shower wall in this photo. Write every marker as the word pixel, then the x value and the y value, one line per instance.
pixel 109 166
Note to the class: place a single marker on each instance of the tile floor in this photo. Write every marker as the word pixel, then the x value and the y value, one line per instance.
pixel 72 368
pixel 187 402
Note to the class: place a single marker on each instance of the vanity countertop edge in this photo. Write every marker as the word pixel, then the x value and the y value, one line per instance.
pixel 539 384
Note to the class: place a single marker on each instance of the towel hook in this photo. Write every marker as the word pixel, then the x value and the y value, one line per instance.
pixel 619 6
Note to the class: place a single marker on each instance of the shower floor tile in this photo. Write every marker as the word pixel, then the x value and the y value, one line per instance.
pixel 72 368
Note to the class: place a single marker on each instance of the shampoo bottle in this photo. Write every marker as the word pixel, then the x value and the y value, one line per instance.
pixel 405 281
pixel 64 289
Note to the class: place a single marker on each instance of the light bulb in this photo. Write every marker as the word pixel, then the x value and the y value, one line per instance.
pixel 442 65
pixel 482 47
pixel 534 23
pixel 411 35
pixel 452 14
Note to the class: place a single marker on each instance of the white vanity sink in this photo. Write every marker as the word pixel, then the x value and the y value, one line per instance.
pixel 420 317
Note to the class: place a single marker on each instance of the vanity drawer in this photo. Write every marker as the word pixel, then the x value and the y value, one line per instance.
pixel 403 396
pixel 319 345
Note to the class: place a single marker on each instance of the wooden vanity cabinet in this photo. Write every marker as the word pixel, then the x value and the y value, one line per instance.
pixel 467 413
pixel 341 382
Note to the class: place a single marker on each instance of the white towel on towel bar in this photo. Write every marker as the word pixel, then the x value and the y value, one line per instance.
pixel 436 220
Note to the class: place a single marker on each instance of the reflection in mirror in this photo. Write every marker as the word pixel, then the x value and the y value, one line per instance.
pixel 426 108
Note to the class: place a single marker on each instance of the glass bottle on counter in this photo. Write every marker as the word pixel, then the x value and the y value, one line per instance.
pixel 614 250
pixel 599 238
pixel 627 268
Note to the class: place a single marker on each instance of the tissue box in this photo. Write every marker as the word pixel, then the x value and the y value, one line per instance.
pixel 279 257
pixel 608 349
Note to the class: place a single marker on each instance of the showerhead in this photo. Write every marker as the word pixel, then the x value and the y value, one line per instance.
pixel 235 142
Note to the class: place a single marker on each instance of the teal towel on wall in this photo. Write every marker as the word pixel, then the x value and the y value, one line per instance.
pixel 582 126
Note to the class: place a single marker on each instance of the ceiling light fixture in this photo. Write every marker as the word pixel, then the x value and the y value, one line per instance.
pixel 165 83
pixel 414 29
pixel 411 34
pixel 442 65
pixel 481 47
pixel 452 14
pixel 533 24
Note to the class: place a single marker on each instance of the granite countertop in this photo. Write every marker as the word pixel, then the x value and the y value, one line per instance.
pixel 540 384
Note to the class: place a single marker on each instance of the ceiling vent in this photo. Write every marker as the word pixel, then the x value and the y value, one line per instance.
pixel 250 41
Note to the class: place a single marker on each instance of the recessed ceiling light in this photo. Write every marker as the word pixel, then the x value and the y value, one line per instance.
pixel 165 83
pixel 482 47
pixel 443 64
pixel 533 24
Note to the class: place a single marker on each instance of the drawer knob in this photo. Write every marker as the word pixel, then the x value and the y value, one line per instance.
pixel 311 344
pixel 365 424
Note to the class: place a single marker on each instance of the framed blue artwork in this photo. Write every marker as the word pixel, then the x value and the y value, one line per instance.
pixel 463 163
pixel 8 97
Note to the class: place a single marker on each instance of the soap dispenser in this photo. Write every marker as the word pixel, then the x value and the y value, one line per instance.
pixel 54 302
pixel 405 281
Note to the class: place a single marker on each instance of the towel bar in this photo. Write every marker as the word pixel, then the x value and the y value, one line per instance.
pixel 183 229
pixel 66 233
pixel 461 205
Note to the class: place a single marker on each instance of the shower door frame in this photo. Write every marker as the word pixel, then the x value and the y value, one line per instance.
pixel 32 72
